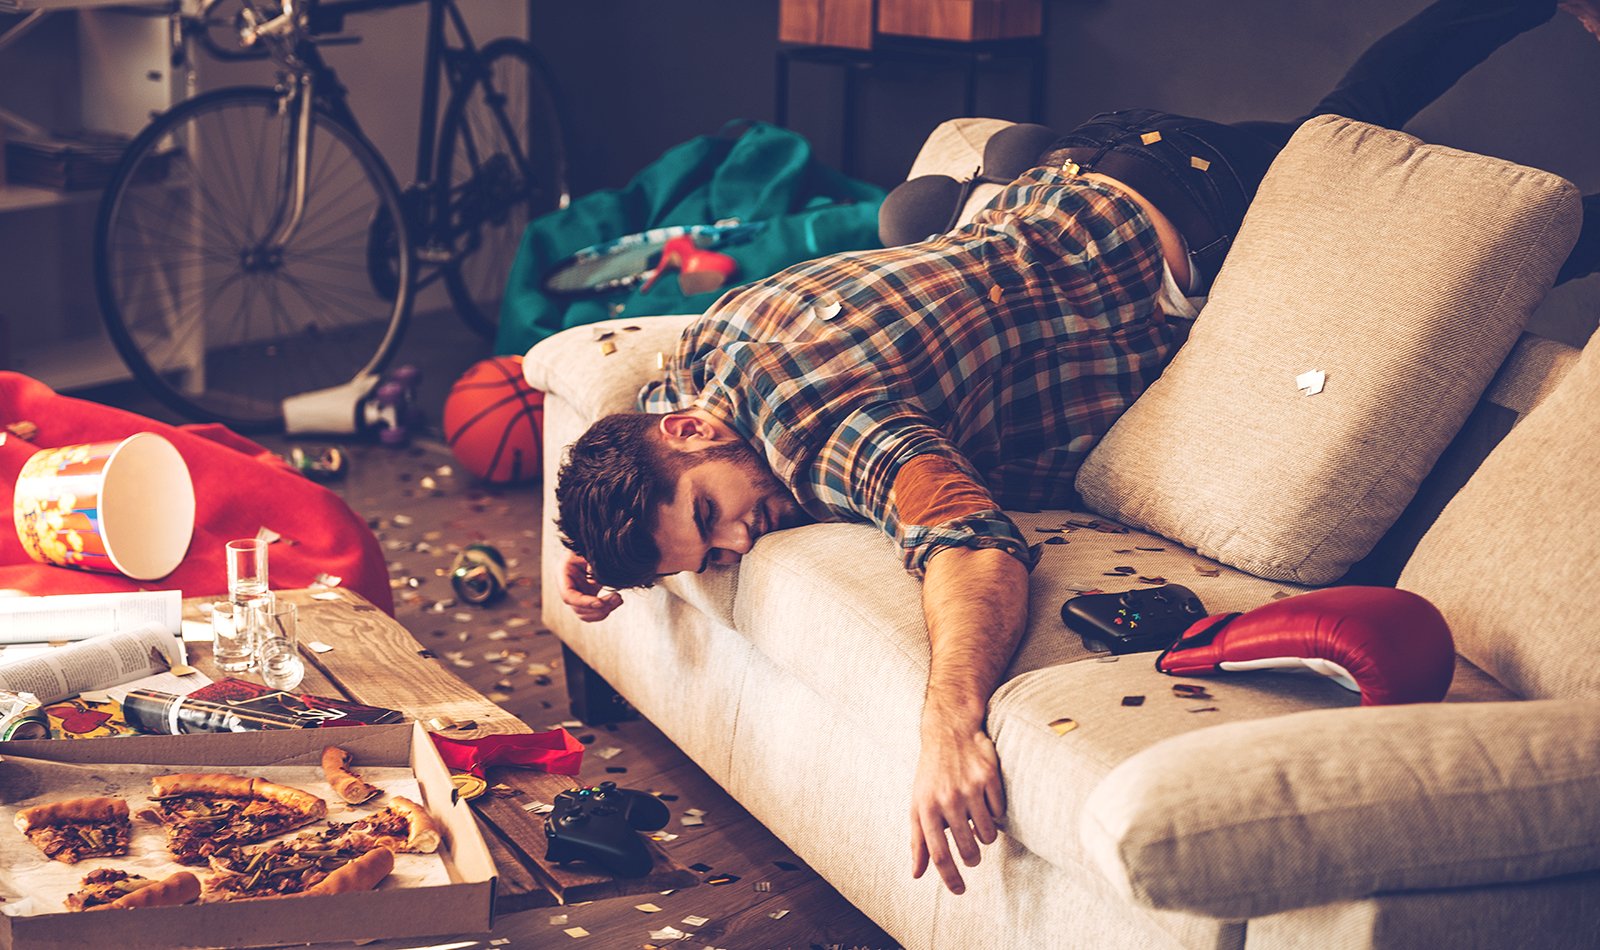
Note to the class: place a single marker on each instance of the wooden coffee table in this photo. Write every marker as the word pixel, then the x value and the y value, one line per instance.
pixel 374 660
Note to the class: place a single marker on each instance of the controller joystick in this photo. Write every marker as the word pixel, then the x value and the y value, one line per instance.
pixel 601 824
pixel 1134 621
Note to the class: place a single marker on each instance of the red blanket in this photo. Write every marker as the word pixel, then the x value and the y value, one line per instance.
pixel 239 488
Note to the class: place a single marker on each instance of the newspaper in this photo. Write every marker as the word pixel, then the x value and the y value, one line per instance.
pixel 81 616
pixel 98 663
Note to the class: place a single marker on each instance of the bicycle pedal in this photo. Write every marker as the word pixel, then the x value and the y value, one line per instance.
pixel 391 409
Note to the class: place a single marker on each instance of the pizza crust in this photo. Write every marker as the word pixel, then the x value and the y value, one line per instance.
pixel 348 785
pixel 362 874
pixel 72 810
pixel 180 888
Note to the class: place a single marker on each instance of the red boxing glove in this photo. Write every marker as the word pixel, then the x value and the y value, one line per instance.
pixel 1390 645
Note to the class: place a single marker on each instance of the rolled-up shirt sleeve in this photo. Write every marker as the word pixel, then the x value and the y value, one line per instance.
pixel 888 465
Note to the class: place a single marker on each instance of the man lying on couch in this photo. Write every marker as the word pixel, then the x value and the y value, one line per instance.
pixel 927 387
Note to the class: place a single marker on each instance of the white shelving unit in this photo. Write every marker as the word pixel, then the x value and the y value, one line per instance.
pixel 124 71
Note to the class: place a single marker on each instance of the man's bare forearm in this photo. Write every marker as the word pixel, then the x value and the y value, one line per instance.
pixel 975 601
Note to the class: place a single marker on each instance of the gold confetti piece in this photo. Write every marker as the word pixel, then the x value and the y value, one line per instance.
pixel 1206 570
pixel 1070 168
pixel 576 932
pixel 182 669
pixel 763 886
pixel 1280 595
pixel 1196 161
pixel 1063 726
pixel 996 292
pixel 1150 138
pixel 778 914
pixel 647 908
pixel 607 348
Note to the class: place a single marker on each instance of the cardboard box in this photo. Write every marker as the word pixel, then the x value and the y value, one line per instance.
pixel 962 20
pixel 466 905
pixel 846 23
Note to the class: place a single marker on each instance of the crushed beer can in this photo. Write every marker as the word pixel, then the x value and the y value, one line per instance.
pixel 22 716
pixel 479 574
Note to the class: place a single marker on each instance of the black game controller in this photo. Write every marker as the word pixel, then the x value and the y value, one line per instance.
pixel 1137 621
pixel 600 825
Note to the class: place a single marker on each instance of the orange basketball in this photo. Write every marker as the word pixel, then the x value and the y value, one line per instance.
pixel 494 421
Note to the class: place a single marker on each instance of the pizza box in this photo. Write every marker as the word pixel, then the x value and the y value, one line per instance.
pixel 464 905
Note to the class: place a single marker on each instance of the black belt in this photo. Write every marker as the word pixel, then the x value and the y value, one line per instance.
pixel 1137 174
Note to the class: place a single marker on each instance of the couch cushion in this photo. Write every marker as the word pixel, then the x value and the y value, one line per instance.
pixel 1050 775
pixel 1254 818
pixel 1510 561
pixel 1402 271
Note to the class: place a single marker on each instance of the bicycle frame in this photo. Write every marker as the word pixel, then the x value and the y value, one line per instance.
pixel 308 80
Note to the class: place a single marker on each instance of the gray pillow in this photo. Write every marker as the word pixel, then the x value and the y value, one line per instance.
pixel 1403 272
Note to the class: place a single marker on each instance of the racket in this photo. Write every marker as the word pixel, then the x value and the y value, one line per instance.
pixel 622 262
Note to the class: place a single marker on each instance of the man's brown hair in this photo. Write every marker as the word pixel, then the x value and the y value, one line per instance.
pixel 609 489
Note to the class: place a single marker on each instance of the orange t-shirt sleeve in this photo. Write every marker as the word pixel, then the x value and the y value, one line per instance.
pixel 931 490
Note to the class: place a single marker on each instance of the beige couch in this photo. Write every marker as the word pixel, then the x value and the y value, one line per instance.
pixel 1287 816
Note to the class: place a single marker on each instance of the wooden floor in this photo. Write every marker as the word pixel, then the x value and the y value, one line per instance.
pixel 424 510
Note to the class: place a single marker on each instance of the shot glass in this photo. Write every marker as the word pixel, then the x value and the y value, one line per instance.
pixel 278 646
pixel 247 571
pixel 233 638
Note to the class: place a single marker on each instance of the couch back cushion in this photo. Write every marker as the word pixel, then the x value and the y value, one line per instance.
pixel 1510 561
pixel 1402 273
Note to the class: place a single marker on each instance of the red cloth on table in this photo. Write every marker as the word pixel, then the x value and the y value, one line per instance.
pixel 239 488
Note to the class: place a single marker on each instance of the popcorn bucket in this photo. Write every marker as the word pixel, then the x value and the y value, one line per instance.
pixel 116 507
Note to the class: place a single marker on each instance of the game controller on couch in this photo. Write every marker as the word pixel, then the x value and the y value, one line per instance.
pixel 601 825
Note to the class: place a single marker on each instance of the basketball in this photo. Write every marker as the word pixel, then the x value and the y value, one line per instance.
pixel 494 422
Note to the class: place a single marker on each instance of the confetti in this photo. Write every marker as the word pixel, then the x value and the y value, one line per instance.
pixel 557 920
pixel 1202 709
pixel 1206 570
pixel 694 921
pixel 689 821
pixel 763 886
pixel 647 908
pixel 1063 726
pixel 402 520
pixel 317 646
pixel 668 933
pixel 576 932
pixel 1056 540
pixel 1133 700
pixel 721 879
pixel 778 914
pixel 609 752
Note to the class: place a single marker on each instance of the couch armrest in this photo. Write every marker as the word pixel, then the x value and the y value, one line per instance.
pixel 1254 818
pixel 599 368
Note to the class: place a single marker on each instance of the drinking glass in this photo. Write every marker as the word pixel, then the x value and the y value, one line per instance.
pixel 278 646
pixel 247 571
pixel 233 638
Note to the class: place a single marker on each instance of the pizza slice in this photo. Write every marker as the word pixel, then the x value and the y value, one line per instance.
pixel 403 826
pixel 204 814
pixel 111 889
pixel 77 828
pixel 282 867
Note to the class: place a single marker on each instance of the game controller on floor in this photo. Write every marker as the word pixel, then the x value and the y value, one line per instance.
pixel 1136 621
pixel 601 825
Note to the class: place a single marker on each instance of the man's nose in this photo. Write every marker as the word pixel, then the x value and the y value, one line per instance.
pixel 733 536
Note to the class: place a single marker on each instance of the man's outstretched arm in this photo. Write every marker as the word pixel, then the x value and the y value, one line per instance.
pixel 975 601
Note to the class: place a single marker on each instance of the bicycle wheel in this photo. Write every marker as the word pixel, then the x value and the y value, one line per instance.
pixel 502 153
pixel 214 318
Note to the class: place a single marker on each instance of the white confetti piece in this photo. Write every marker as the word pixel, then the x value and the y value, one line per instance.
pixel 1311 381
pixel 696 812
pixel 778 914
pixel 667 933
pixel 609 752
pixel 647 908
pixel 576 932
pixel 402 520
pixel 690 821
pixel 317 646
pixel 557 920
pixel 695 921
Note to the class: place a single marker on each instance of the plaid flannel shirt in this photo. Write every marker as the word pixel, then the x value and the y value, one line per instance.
pixel 1008 347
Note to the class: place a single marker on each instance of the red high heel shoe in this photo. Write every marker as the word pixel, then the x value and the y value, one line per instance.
pixel 699 270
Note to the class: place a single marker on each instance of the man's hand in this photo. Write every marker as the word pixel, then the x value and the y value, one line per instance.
pixel 591 602
pixel 958 788
pixel 976 604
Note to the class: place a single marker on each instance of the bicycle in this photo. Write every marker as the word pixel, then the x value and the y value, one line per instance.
pixel 252 245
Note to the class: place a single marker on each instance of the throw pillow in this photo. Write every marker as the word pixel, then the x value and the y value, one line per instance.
pixel 1376 284
pixel 1510 561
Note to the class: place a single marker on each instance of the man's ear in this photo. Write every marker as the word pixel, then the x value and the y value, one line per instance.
pixel 687 432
